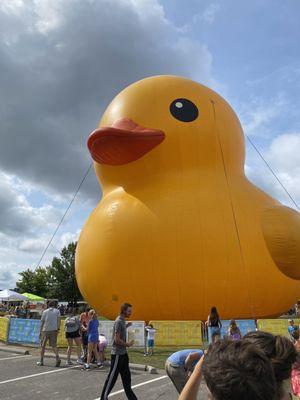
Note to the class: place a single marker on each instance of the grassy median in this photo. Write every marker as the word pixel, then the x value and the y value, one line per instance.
pixel 157 360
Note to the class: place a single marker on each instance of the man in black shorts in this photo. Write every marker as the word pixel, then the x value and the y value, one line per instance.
pixel 119 356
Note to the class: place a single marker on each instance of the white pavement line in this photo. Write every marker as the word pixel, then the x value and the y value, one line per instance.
pixel 135 386
pixel 53 371
pixel 12 358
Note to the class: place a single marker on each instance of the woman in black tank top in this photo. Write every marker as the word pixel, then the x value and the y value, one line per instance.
pixel 214 325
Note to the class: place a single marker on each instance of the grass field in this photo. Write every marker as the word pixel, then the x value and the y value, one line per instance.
pixel 158 359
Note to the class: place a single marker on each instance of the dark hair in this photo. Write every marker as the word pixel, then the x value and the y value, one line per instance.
pixel 295 334
pixel 52 303
pixel 279 349
pixel 235 370
pixel 124 307
pixel 214 316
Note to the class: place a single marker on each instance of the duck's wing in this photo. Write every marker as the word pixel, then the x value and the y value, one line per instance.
pixel 281 231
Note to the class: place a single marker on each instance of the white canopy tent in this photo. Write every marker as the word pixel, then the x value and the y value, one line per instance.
pixel 10 295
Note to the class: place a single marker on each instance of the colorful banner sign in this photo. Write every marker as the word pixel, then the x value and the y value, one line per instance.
pixel 4 322
pixel 276 326
pixel 61 338
pixel 24 331
pixel 178 333
pixel 245 325
pixel 135 332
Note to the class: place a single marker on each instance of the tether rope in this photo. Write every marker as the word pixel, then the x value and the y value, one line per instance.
pixel 65 213
pixel 273 173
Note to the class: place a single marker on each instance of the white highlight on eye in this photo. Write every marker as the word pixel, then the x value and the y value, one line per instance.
pixel 178 104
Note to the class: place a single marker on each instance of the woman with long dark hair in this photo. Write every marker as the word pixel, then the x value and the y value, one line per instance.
pixel 214 325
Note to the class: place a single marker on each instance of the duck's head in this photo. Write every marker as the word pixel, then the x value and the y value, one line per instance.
pixel 165 124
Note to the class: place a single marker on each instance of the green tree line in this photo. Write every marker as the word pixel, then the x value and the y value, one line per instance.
pixel 56 281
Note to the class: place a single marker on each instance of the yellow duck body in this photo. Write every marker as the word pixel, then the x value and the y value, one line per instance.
pixel 180 229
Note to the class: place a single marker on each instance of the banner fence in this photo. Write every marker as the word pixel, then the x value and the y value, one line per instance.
pixel 169 333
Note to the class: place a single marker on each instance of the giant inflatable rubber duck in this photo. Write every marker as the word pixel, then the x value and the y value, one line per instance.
pixel 179 228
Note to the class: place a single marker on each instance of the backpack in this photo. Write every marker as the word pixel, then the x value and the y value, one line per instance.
pixel 71 324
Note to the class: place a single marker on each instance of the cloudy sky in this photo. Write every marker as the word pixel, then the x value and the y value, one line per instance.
pixel 62 61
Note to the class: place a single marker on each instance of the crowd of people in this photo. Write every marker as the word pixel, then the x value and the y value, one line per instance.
pixel 19 311
pixel 81 331
pixel 258 365
pixel 23 309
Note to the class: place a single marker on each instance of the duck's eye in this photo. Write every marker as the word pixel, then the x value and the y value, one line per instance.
pixel 184 110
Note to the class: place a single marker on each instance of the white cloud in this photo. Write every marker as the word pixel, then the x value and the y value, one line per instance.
pixel 208 15
pixel 8 277
pixel 284 151
pixel 13 7
pixel 58 72
pixel 282 156
pixel 61 63
pixel 210 12
pixel 69 237
pixel 33 245
pixel 258 115
pixel 17 216
pixel 49 15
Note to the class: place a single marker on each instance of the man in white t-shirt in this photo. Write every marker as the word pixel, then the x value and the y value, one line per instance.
pixel 50 324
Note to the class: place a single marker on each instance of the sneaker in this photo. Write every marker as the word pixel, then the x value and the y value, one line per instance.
pixel 78 361
pixel 100 365
pixel 58 361
pixel 87 366
pixel 40 363
pixel 69 363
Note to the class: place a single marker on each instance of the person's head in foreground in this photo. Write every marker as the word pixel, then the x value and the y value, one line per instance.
pixel 238 370
pixel 280 350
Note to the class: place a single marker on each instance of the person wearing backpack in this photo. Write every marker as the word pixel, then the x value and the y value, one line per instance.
pixel 72 331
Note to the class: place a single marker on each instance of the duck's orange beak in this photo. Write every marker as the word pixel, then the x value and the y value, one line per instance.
pixel 123 142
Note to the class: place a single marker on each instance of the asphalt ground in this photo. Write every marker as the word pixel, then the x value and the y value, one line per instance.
pixel 22 379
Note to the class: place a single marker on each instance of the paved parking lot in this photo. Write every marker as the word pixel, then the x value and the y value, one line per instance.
pixel 22 379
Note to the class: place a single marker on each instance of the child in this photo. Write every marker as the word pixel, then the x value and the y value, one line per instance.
pixel 292 328
pixel 150 339
pixel 93 339
pixel 101 347
pixel 234 332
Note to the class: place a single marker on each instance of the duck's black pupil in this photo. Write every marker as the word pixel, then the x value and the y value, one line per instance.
pixel 184 110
